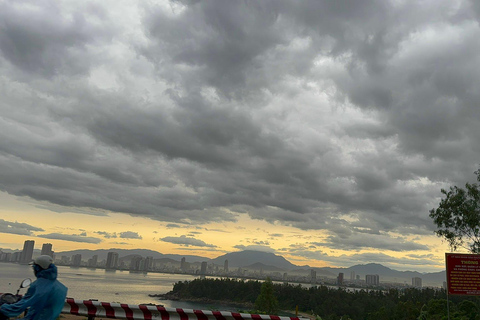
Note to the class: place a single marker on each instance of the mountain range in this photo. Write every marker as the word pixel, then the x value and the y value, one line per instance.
pixel 270 262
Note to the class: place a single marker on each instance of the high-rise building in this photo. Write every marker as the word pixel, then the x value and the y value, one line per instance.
pixel 47 249
pixel 148 264
pixel 112 260
pixel 417 282
pixel 183 264
pixel 27 252
pixel 372 279
pixel 313 276
pixel 225 266
pixel 16 256
pixel 203 268
pixel 340 279
pixel 5 256
pixel 76 260
pixel 352 275
pixel 92 262
pixel 137 263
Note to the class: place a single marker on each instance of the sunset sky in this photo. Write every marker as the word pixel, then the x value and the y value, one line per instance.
pixel 321 131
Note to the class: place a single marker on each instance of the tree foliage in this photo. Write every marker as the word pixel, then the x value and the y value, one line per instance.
pixel 266 300
pixel 458 217
pixel 338 303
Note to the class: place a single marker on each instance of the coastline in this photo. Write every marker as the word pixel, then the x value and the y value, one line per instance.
pixel 224 303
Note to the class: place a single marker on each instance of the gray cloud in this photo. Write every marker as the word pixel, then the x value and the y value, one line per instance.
pixel 347 117
pixel 187 241
pixel 129 235
pixel 276 235
pixel 17 228
pixel 71 237
pixel 107 235
pixel 43 41
pixel 255 247
pixel 383 241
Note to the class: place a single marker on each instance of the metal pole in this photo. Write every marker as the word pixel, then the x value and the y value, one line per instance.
pixel 448 306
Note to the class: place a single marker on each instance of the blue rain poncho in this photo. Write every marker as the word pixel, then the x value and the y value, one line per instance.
pixel 45 297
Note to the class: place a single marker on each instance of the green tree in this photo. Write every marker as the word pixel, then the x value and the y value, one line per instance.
pixel 458 217
pixel 266 300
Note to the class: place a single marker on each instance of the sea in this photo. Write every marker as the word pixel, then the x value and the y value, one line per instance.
pixel 109 285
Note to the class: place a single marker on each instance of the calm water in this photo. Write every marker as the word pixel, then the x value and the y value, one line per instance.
pixel 107 286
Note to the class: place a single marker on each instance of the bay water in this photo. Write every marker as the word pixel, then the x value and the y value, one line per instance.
pixel 108 286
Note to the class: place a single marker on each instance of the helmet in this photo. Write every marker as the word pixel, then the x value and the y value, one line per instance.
pixel 43 261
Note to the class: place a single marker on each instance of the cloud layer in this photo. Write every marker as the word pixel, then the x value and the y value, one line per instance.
pixel 342 116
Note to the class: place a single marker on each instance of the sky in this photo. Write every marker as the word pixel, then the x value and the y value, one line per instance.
pixel 322 131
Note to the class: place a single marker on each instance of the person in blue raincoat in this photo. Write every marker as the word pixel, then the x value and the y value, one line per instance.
pixel 45 297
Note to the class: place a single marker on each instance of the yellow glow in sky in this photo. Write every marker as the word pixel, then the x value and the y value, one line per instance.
pixel 115 230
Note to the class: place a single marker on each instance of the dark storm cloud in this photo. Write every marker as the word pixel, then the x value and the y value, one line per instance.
pixel 71 237
pixel 41 40
pixel 17 228
pixel 336 115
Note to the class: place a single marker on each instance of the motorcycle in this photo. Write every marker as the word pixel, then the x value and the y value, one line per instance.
pixel 10 298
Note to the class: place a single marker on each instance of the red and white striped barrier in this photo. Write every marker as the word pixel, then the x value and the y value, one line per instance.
pixel 93 309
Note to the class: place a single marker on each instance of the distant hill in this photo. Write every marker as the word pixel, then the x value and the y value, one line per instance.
pixel 102 254
pixel 269 262
pixel 321 272
pixel 390 275
pixel 262 267
pixel 249 257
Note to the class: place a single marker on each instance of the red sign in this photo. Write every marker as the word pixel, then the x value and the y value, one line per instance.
pixel 463 273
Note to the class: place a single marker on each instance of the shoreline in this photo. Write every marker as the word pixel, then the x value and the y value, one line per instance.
pixel 173 297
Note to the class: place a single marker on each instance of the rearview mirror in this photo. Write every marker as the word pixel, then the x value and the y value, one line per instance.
pixel 25 283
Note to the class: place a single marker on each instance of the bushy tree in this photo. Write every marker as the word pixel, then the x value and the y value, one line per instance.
pixel 458 217
pixel 266 301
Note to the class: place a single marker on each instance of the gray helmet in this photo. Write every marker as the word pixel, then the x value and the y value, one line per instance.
pixel 43 261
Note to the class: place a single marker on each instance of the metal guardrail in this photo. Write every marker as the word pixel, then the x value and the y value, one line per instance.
pixel 92 309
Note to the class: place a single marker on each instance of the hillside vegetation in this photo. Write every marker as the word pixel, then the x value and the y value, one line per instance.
pixel 335 304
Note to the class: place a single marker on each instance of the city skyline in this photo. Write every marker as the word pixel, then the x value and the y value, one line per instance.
pixel 322 131
pixel 112 259
pixel 140 263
